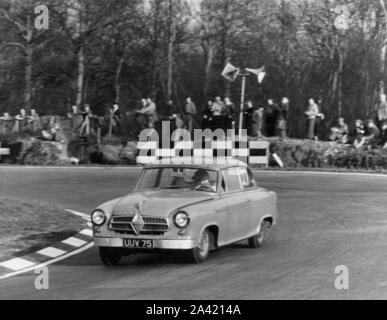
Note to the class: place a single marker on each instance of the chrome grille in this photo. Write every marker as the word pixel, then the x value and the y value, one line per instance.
pixel 153 226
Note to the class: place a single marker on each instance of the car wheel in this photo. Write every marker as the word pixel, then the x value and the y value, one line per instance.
pixel 201 252
pixel 258 240
pixel 110 256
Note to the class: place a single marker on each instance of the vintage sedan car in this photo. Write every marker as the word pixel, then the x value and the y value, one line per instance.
pixel 188 208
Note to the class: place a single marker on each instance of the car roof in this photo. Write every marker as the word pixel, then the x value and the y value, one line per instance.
pixel 217 163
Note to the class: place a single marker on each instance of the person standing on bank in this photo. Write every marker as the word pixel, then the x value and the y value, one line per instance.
pixel 372 134
pixel 283 118
pixel 20 121
pixel 381 110
pixel 271 118
pixel 253 118
pixel 87 115
pixel 312 112
pixel 218 109
pixel 190 111
pixel 33 120
pixel 170 114
pixel 207 116
pixel 149 112
pixel 115 119
pixel 229 114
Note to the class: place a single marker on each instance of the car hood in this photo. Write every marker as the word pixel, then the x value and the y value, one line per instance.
pixel 160 203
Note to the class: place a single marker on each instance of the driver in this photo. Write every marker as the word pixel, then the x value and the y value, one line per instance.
pixel 201 179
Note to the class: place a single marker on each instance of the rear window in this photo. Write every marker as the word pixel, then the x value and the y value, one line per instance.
pixel 247 178
pixel 232 180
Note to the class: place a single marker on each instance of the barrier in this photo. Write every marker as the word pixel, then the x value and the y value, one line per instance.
pixel 251 152
pixel 4 151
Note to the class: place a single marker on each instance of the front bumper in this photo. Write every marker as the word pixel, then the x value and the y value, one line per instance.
pixel 158 243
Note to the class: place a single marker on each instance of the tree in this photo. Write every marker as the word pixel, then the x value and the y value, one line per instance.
pixel 18 18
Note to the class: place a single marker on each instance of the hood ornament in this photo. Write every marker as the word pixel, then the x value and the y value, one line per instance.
pixel 137 221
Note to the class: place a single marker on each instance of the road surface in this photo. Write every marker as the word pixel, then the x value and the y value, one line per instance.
pixel 325 221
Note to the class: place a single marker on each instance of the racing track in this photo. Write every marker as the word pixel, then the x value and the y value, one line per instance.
pixel 324 221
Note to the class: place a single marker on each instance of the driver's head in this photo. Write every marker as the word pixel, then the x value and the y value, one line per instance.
pixel 201 175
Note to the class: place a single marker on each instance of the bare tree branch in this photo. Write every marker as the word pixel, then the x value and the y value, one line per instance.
pixel 22 29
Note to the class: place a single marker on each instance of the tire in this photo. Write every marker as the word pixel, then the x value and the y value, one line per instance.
pixel 258 240
pixel 200 254
pixel 110 256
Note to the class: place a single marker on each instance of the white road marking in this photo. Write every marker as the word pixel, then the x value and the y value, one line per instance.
pixel 75 242
pixel 378 175
pixel 71 167
pixel 84 216
pixel 87 232
pixel 51 252
pixel 17 264
pixel 68 255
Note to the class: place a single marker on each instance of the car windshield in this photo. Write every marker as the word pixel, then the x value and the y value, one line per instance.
pixel 179 178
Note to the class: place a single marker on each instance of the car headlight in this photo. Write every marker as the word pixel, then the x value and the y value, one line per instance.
pixel 182 219
pixel 98 217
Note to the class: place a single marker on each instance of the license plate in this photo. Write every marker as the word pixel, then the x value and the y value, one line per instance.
pixel 138 244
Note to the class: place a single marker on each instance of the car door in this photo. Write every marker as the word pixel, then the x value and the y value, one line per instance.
pixel 254 198
pixel 237 202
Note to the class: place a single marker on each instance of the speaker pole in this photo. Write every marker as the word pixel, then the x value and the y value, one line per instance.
pixel 243 95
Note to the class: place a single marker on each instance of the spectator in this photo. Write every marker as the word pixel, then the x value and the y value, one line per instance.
pixel 116 112
pixel 381 110
pixel 153 117
pixel 51 134
pixel 207 116
pixel 229 114
pixel 115 120
pixel 190 111
pixel 317 128
pixel 359 128
pixel 33 120
pixel 271 118
pixel 218 109
pixel 254 120
pixel 372 134
pixel 383 135
pixel 358 135
pixel 169 113
pixel 76 118
pixel 312 112
pixel 140 117
pixel 20 120
pixel 340 133
pixel 283 117
pixel 86 118
pixel 149 111
pixel 6 123
pixel 73 112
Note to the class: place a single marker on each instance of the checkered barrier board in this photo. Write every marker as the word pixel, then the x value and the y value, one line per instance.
pixel 4 152
pixel 252 152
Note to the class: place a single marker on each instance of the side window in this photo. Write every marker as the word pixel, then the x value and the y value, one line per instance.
pixel 223 185
pixel 232 180
pixel 247 178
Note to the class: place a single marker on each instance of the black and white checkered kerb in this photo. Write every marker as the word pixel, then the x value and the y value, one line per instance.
pixel 252 152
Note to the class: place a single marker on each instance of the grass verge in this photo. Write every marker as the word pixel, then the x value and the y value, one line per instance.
pixel 28 226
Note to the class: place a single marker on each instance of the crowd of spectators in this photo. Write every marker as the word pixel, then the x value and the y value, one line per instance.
pixel 21 122
pixel 371 133
pixel 261 121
